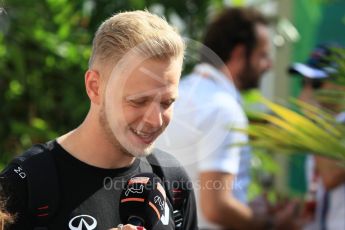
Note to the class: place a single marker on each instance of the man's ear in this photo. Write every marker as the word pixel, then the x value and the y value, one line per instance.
pixel 93 86
pixel 239 54
pixel 237 60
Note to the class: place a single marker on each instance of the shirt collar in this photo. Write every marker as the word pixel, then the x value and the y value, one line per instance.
pixel 210 72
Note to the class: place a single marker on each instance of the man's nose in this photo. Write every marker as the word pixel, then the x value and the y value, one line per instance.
pixel 269 64
pixel 154 116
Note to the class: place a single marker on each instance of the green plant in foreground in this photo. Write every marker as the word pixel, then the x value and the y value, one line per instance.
pixel 284 130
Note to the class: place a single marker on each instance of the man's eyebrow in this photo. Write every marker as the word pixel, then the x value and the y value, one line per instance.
pixel 133 98
pixel 172 99
pixel 148 93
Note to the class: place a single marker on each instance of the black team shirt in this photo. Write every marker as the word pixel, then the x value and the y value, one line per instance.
pixel 88 196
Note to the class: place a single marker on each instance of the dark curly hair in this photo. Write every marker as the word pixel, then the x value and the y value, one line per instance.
pixel 232 27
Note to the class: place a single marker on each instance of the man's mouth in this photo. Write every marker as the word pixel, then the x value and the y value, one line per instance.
pixel 146 137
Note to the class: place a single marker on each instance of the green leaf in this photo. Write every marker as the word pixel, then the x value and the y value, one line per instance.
pixel 287 131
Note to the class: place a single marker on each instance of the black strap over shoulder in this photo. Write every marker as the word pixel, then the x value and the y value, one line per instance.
pixel 162 174
pixel 173 176
pixel 41 174
pixel 43 189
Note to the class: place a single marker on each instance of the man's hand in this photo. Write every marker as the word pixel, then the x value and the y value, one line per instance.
pixel 288 216
pixel 330 171
pixel 284 215
pixel 128 227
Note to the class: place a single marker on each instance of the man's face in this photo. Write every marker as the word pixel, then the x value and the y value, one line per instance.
pixel 258 62
pixel 137 104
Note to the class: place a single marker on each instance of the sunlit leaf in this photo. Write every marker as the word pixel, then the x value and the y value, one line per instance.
pixel 287 131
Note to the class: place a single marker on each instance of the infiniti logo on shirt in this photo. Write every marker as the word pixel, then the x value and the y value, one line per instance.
pixel 81 221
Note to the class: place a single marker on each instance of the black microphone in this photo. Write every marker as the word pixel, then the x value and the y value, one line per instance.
pixel 142 202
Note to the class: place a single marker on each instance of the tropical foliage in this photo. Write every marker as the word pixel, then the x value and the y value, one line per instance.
pixel 44 51
pixel 302 127
pixel 287 131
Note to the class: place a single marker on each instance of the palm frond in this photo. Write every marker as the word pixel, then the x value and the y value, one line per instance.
pixel 312 130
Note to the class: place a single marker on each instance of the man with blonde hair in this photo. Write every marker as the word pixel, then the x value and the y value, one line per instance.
pixel 131 82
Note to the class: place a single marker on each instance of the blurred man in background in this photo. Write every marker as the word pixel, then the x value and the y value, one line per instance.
pixel 326 178
pixel 234 58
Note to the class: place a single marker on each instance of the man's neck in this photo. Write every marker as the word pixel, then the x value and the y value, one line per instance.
pixel 88 144
pixel 230 74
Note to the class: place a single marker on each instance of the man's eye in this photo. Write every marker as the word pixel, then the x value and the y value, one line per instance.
pixel 167 104
pixel 139 102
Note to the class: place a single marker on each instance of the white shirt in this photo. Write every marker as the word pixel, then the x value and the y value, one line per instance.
pixel 199 134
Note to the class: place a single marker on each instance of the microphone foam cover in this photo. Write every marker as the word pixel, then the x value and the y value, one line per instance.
pixel 143 198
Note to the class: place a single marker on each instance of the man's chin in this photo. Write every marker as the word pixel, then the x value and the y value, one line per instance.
pixel 136 152
pixel 251 86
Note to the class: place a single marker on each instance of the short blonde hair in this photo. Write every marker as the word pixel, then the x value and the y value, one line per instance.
pixel 146 33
